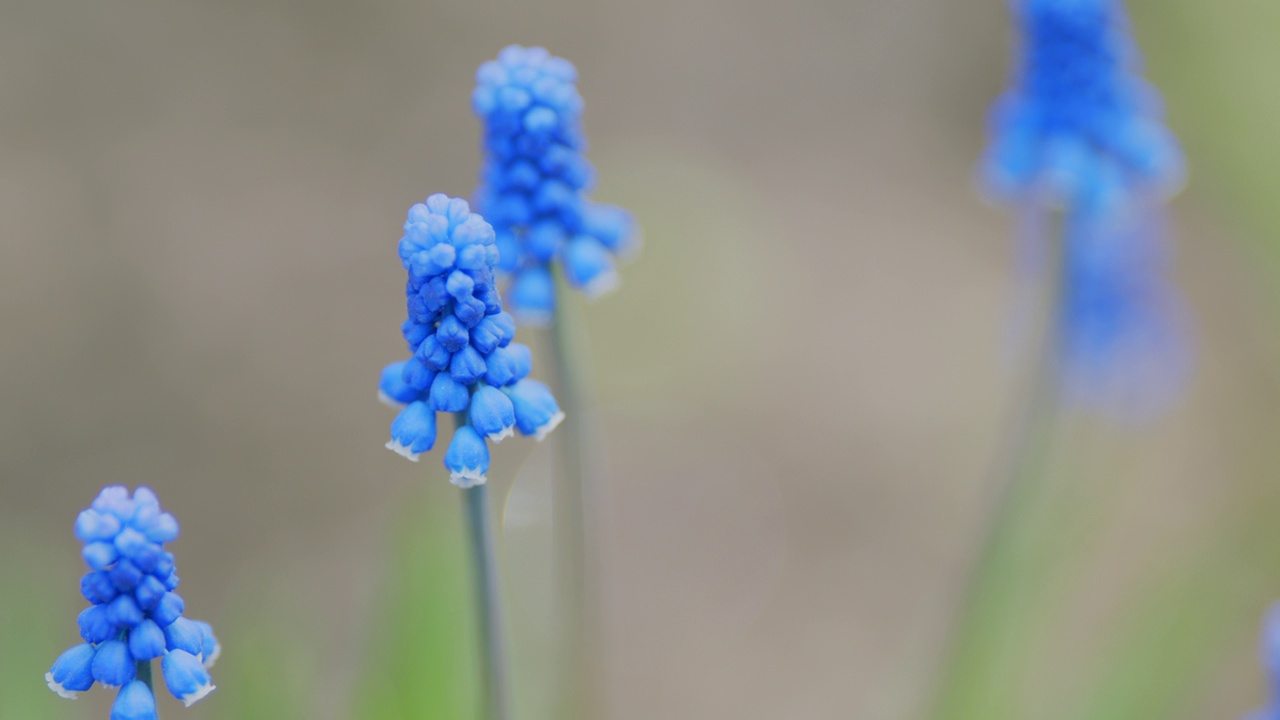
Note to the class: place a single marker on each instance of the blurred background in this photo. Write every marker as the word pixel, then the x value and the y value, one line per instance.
pixel 802 383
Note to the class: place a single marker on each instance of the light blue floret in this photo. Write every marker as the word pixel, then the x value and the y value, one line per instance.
pixel 186 677
pixel 463 358
pixel 134 702
pixel 135 616
pixel 535 180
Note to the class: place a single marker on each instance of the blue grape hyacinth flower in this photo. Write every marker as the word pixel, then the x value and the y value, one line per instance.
pixel 535 180
pixel 463 358
pixel 1081 133
pixel 134 615
pixel 1269 652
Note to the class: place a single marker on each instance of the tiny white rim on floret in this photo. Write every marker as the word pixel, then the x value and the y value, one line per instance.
pixel 213 656
pixel 630 248
pixel 467 478
pixel 506 432
pixel 403 450
pixel 192 698
pixel 601 285
pixel 545 428
pixel 389 401
pixel 57 687
pixel 532 318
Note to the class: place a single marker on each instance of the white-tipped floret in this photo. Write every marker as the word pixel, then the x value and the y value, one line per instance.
pixel 389 401
pixel 545 428
pixel 403 450
pixel 467 478
pixel 57 688
pixel 507 432
pixel 601 285
pixel 194 697
pixel 213 656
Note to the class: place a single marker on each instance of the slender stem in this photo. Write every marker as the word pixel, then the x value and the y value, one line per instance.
pixel 572 513
pixel 144 674
pixel 493 646
pixel 1016 476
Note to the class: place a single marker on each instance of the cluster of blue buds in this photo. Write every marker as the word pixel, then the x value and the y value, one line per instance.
pixel 464 360
pixel 535 180
pixel 1270 655
pixel 1081 132
pixel 1079 120
pixel 135 616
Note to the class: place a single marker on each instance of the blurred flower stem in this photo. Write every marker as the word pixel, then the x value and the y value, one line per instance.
pixel 493 648
pixel 574 506
pixel 988 615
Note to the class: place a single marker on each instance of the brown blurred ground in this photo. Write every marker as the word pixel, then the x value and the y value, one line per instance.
pixel 801 379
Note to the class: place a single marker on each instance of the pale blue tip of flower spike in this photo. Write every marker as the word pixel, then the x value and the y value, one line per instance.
pixel 467 458
pixel 72 672
pixel 134 702
pixel 537 413
pixel 413 432
pixel 113 666
pixel 589 267
pixel 492 414
pixel 533 296
pixel 186 677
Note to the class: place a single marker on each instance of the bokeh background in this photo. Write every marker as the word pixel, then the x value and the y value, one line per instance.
pixel 802 384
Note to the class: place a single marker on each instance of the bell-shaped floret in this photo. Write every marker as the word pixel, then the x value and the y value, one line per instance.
pixel 447 394
pixel 210 648
pixel 467 458
pixel 95 625
pixel 168 609
pixel 97 588
pixel 467 366
pixel 509 364
pixel 99 555
pixel 113 666
pixel 93 526
pixel 124 611
pixel 533 296
pixel 492 414
pixel 134 702
pixel 72 672
pixel 183 634
pixel 147 641
pixel 413 432
pixel 186 677
pixel 452 334
pixel 614 227
pixel 149 591
pixel 392 388
pixel 493 332
pixel 536 410
pixel 589 267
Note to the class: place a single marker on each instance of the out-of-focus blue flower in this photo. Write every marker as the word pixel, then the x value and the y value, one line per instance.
pixel 1269 652
pixel 463 358
pixel 1082 133
pixel 535 180
pixel 135 616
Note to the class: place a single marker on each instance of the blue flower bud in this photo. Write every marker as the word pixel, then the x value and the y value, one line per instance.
pixel 72 672
pixel 447 394
pixel 413 432
pixel 452 334
pixel 129 542
pixel 186 677
pixel 147 641
pixel 99 555
pixel 125 576
pixel 183 634
pixel 589 267
pixel 418 375
pixel 95 625
pixel 156 526
pixel 168 609
pixel 124 611
pixel 467 366
pixel 533 297
pixel 535 407
pixel 614 227
pixel 433 354
pixel 492 414
pixel 96 587
pixel 147 557
pixel 93 526
pixel 115 501
pixel 149 591
pixel 467 458
pixel 392 389
pixel 508 365
pixel 113 666
pixel 210 648
pixel 134 702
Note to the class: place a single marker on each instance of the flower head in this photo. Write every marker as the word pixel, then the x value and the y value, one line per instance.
pixel 1080 132
pixel 135 615
pixel 463 358
pixel 535 180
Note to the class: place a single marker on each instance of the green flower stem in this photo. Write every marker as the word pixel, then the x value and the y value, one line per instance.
pixel 144 674
pixel 994 601
pixel 573 509
pixel 493 642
